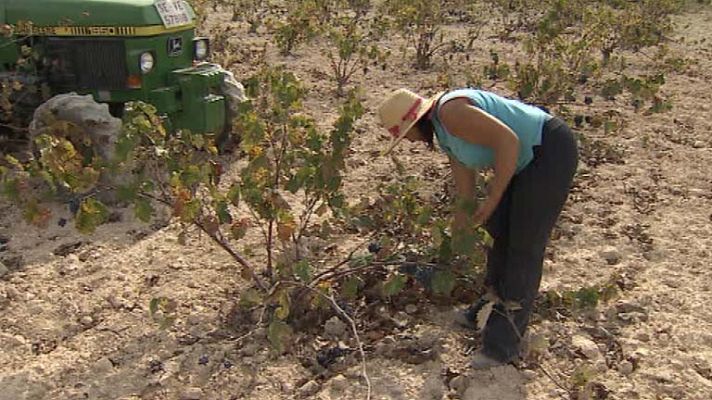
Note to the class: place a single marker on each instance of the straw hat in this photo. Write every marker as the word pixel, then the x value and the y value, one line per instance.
pixel 400 111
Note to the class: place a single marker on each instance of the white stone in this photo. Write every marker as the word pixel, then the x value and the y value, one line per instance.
pixel 339 382
pixel 103 365
pixel 698 144
pixel 529 374
pixel 3 270
pixel 260 333
pixel 611 255
pixel 586 346
pixel 287 387
pixel 625 367
pixel 411 308
pixel 309 389
pixel 334 328
pixel 433 387
pixel 401 319
pixel 250 349
pixel 193 393
pixel 600 366
pixel 643 336
pixel 458 384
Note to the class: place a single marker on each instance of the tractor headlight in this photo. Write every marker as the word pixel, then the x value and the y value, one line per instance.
pixel 201 49
pixel 146 62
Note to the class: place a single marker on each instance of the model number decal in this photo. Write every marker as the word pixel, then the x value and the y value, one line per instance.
pixel 29 29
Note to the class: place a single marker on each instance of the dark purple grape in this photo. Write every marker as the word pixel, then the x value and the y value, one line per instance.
pixel 374 247
pixel 578 120
pixel 74 206
pixel 155 366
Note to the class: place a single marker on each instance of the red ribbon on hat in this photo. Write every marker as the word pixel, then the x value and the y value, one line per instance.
pixel 411 114
pixel 413 111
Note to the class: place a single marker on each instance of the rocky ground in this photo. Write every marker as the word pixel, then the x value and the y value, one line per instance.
pixel 74 321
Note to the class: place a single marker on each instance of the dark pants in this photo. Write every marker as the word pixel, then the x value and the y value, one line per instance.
pixel 520 227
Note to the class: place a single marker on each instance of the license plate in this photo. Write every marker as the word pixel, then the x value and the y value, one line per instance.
pixel 173 12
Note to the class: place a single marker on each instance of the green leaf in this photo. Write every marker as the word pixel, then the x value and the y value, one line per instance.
pixel 612 88
pixel 153 306
pixel 11 189
pixel 167 308
pixel 587 298
pixel 14 162
pixel 191 176
pixel 91 214
pixel 239 229
pixel 126 192
pixel 394 285
pixel 445 253
pixel 350 287
pixel 143 210
pixel 167 322
pixel 487 239
pixel 464 242
pixel 223 212
pixel 234 194
pixel 190 211
pixel 303 271
pixel 279 335
pixel 250 298
pixel 443 283
pixel 423 216
pixel 282 312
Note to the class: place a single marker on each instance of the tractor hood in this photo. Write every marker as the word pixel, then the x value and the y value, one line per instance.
pixel 81 12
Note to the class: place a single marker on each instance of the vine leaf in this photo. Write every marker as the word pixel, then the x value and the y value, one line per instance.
pixel 282 312
pixel 91 214
pixel 279 335
pixel 350 287
pixel 394 285
pixel 303 271
pixel 443 282
pixel 143 210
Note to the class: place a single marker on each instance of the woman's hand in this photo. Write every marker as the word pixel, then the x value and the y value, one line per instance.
pixel 485 210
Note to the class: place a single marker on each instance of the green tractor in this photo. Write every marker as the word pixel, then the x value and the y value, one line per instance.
pixel 115 51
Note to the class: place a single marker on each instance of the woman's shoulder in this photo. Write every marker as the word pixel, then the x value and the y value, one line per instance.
pixel 455 93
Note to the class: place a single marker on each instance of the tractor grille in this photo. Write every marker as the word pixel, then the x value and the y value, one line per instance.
pixel 80 64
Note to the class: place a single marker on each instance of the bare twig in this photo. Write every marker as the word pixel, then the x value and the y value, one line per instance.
pixel 354 330
pixel 235 255
pixel 257 218
pixel 252 331
pixel 554 380
pixel 508 316
pixel 220 242
pixel 323 275
pixel 15 128
pixel 306 216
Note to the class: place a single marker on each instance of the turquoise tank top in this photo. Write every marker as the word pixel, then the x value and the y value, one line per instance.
pixel 526 121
